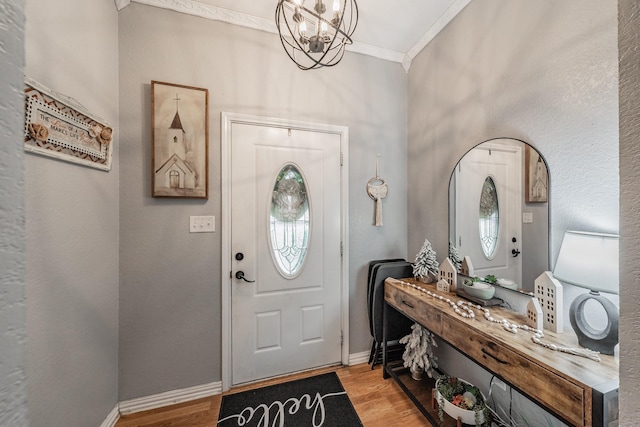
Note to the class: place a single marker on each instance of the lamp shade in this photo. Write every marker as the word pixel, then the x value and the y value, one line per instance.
pixel 589 260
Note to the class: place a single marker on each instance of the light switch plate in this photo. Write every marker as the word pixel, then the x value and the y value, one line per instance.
pixel 527 218
pixel 202 224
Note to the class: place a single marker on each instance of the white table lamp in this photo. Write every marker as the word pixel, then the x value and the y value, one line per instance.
pixel 590 260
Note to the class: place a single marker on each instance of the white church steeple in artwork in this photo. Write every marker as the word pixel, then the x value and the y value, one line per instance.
pixel 176 135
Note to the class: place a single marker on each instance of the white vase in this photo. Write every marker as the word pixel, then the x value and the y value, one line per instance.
pixel 426 279
pixel 416 374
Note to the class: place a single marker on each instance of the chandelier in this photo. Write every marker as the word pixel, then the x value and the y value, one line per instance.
pixel 316 37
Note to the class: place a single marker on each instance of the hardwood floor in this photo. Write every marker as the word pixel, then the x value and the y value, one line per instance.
pixel 378 402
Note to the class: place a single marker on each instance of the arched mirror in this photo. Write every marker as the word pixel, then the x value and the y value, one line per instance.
pixel 499 211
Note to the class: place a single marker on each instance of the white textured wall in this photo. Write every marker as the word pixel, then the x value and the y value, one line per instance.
pixel 72 225
pixel 545 72
pixel 170 311
pixel 13 391
pixel 629 42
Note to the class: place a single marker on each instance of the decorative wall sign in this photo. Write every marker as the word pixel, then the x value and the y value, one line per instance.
pixel 180 141
pixel 57 126
pixel 535 176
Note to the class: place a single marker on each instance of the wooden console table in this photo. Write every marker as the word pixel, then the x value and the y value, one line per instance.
pixel 571 387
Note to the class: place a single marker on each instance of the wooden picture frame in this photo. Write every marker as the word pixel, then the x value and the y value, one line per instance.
pixel 180 141
pixel 536 177
pixel 57 126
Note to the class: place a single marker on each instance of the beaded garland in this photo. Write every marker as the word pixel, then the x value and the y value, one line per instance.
pixel 465 309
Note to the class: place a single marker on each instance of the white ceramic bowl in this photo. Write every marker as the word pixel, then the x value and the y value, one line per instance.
pixel 466 416
pixel 508 283
pixel 480 290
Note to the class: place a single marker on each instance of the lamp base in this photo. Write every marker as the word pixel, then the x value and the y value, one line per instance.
pixel 603 341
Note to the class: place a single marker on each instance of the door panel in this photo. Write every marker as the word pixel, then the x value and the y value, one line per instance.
pixel 284 324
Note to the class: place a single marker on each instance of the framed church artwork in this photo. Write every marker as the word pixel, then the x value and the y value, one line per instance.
pixel 535 177
pixel 180 141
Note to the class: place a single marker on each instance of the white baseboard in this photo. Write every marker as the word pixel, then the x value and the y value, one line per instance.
pixel 169 398
pixel 358 358
pixel 186 394
pixel 112 418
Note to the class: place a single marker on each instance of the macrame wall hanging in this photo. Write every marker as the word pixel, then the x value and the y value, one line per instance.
pixel 377 189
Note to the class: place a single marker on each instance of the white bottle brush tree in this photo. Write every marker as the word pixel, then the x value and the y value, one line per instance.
pixel 425 262
pixel 454 256
pixel 418 350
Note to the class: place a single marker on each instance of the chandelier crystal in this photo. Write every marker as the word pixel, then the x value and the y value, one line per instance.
pixel 315 36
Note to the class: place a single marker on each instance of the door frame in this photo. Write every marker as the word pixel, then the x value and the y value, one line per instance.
pixel 227 120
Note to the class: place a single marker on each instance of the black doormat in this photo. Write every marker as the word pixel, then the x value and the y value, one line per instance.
pixel 318 401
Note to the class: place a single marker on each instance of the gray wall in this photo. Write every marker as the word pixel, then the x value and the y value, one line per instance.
pixel 13 387
pixel 66 381
pixel 72 225
pixel 545 72
pixel 629 40
pixel 170 280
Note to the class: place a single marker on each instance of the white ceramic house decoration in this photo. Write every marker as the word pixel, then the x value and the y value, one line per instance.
pixel 548 290
pixel 443 286
pixel 447 271
pixel 535 316
pixel 467 268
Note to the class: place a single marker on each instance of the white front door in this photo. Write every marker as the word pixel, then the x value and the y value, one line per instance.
pixel 286 261
pixel 496 170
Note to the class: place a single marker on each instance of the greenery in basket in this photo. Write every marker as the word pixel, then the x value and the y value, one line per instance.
pixel 462 395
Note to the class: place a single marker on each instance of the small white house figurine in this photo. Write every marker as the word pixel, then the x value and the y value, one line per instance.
pixel 449 273
pixel 548 290
pixel 535 317
pixel 467 268
pixel 443 286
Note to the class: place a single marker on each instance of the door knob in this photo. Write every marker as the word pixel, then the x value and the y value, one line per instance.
pixel 240 276
pixel 515 252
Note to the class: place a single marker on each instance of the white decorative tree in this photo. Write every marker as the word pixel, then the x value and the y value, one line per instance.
pixel 454 256
pixel 418 351
pixel 425 262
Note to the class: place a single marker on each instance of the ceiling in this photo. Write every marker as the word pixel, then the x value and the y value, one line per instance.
pixel 396 33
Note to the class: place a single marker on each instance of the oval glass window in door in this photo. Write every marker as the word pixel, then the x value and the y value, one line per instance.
pixel 289 221
pixel 489 218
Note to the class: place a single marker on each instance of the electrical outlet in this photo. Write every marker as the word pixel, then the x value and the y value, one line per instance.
pixel 500 384
pixel 202 224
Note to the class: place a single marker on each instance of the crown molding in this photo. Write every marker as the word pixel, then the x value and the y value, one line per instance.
pixel 377 52
pixel 438 26
pixel 213 13
pixel 121 4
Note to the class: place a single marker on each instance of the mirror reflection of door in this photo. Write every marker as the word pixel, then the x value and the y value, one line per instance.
pixel 516 215
pixel 488 219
